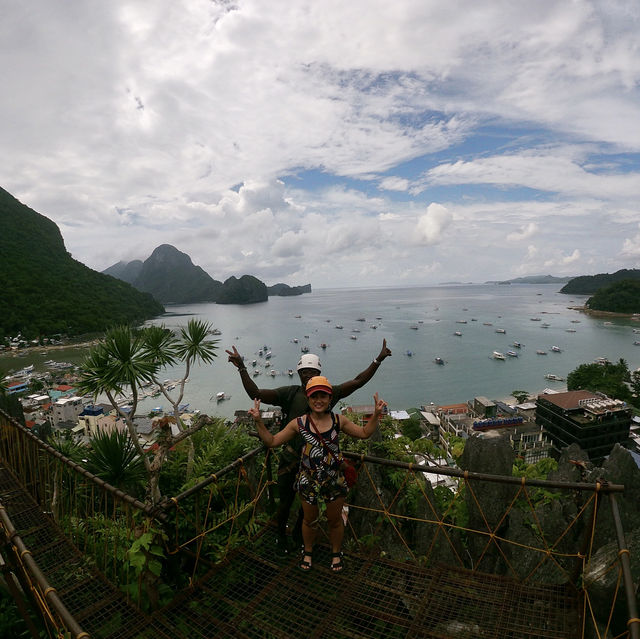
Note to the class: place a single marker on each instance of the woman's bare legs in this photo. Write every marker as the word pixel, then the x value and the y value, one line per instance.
pixel 309 524
pixel 336 529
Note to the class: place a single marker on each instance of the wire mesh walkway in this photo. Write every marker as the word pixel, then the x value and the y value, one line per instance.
pixel 252 594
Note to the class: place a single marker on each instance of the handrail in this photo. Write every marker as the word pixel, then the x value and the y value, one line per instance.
pixel 49 593
pixel 603 486
pixel 150 511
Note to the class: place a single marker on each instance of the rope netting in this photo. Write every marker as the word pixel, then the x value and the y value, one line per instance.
pixel 481 555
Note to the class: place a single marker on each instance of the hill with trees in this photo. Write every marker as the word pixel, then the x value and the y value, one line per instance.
pixel 45 291
pixel 172 278
pixel 621 297
pixel 589 284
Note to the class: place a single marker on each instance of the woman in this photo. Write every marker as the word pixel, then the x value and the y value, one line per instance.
pixel 320 474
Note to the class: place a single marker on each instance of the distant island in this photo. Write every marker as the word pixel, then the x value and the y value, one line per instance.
pixel 533 279
pixel 172 278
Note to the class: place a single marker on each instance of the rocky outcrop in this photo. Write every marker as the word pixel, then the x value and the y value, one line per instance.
pixel 285 289
pixel 172 278
pixel 246 290
pixel 125 271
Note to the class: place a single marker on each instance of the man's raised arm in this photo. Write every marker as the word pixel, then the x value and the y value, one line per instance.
pixel 362 378
pixel 267 395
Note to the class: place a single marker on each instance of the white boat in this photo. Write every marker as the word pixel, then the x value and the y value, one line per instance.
pixel 353 336
pixel 553 377
pixel 290 372
pixel 536 319
pixel 272 372
pixel 256 372
pixel 517 345
pixel 498 355
pixel 541 352
pixel 439 361
pixel 414 327
pixel 458 334
pixel 556 349
pixel 512 354
pixel 339 326
pixel 501 330
pixel 461 321
pixel 545 325
pixel 220 396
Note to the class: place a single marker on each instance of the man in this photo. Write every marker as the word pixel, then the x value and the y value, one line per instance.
pixel 294 403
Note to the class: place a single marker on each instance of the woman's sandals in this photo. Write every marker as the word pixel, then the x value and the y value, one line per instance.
pixel 305 564
pixel 338 566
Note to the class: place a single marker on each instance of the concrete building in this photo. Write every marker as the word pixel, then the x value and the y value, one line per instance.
pixel 66 409
pixel 592 420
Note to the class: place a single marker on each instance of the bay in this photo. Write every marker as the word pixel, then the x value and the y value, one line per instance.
pixel 422 321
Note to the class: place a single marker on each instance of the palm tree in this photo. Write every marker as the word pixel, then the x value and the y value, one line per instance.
pixel 114 458
pixel 128 359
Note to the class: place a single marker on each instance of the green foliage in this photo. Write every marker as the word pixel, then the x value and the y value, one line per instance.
pixel 520 396
pixel 589 284
pixel 11 622
pixel 622 297
pixel 113 457
pixel 45 291
pixel 607 378
pixel 411 427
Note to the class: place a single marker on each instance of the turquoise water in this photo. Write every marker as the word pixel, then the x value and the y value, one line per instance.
pixel 405 381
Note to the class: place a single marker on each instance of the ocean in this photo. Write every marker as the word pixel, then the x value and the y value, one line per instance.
pixel 419 325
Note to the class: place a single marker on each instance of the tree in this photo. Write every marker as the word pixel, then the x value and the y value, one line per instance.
pixel 520 396
pixel 610 379
pixel 113 457
pixel 126 360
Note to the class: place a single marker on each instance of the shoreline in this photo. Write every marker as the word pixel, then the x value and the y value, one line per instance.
pixel 595 313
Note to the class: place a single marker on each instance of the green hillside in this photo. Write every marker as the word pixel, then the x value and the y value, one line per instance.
pixel 621 297
pixel 44 291
pixel 589 284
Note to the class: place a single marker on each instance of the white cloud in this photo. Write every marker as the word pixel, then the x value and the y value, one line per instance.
pixel 261 137
pixel 432 224
pixel 523 233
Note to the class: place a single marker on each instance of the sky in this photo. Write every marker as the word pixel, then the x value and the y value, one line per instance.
pixel 341 144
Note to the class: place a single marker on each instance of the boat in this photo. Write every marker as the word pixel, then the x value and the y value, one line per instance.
pixel 458 334
pixel 541 352
pixel 272 372
pixel 461 321
pixel 256 372
pixel 361 319
pixel 323 345
pixel 290 372
pixel 295 340
pixel 636 343
pixel 409 353
pixel 439 361
pixel 339 326
pixel 512 354
pixel 304 349
pixel 414 327
pixel 554 378
pixel 220 396
pixel 556 349
pixel 353 337
pixel 501 330
pixel 498 355
pixel 517 345
pixel 297 316
pixel 545 325
pixel 570 330
pixel 535 319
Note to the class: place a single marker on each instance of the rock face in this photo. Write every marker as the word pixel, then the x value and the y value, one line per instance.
pixel 284 289
pixel 126 271
pixel 172 278
pixel 246 290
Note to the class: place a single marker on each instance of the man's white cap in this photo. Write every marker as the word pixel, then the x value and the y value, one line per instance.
pixel 309 361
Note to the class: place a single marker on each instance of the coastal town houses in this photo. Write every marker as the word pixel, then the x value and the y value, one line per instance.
pixel 591 420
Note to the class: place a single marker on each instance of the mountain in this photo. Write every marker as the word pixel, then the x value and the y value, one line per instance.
pixel 45 291
pixel 285 290
pixel 127 271
pixel 172 278
pixel 589 284
pixel 246 290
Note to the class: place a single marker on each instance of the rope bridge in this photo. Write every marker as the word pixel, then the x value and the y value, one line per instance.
pixel 453 562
